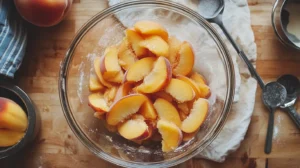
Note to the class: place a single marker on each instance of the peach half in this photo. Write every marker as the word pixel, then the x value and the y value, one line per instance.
pixel 12 116
pixel 196 117
pixel 10 137
pixel 158 78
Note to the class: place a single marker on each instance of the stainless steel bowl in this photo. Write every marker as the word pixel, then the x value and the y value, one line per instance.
pixel 280 20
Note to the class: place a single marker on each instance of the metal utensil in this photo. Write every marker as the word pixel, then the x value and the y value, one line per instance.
pixel 212 10
pixel 274 95
pixel 292 86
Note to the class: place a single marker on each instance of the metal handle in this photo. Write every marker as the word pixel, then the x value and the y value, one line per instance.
pixel 269 138
pixel 252 70
pixel 242 55
pixel 294 115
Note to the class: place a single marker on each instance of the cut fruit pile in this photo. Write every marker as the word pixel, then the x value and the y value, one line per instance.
pixel 145 88
pixel 13 122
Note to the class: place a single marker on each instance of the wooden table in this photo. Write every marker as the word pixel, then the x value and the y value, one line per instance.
pixel 56 146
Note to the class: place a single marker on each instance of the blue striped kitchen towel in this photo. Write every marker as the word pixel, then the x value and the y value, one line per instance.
pixel 13 39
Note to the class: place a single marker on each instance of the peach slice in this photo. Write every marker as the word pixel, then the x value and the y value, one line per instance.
pixel 205 90
pixel 180 90
pixel 139 69
pixel 197 116
pixel 110 94
pixel 126 55
pixel 192 84
pixel 185 60
pixel 156 45
pixel 163 95
pixel 151 28
pixel 9 137
pixel 97 103
pixel 134 39
pixel 110 68
pixel 198 78
pixel 174 45
pixel 134 129
pixel 94 84
pixel 158 78
pixel 147 110
pixel 166 111
pixel 171 135
pixel 124 108
pixel 97 65
pixel 109 65
pixel 12 116
pixel 202 84
pixel 122 91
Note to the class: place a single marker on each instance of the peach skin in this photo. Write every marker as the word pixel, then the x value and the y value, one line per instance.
pixel 12 116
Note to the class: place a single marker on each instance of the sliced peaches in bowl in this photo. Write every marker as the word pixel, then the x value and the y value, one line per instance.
pixel 146 87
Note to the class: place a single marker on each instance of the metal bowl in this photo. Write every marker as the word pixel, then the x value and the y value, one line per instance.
pixel 280 20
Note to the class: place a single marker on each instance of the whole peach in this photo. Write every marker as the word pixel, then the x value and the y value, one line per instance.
pixel 43 13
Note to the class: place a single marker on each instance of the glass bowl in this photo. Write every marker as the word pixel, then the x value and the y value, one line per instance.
pixel 107 28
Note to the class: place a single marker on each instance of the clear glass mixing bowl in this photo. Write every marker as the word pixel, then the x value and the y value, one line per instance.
pixel 105 29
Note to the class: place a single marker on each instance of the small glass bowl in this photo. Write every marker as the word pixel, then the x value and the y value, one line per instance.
pixel 105 29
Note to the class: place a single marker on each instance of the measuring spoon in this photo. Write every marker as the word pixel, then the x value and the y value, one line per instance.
pixel 292 85
pixel 274 95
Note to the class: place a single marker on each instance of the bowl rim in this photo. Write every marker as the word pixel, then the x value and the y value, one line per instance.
pixel 228 65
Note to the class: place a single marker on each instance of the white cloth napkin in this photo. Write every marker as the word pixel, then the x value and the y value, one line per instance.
pixel 237 20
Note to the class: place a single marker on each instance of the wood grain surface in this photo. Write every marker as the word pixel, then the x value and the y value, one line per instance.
pixel 57 147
